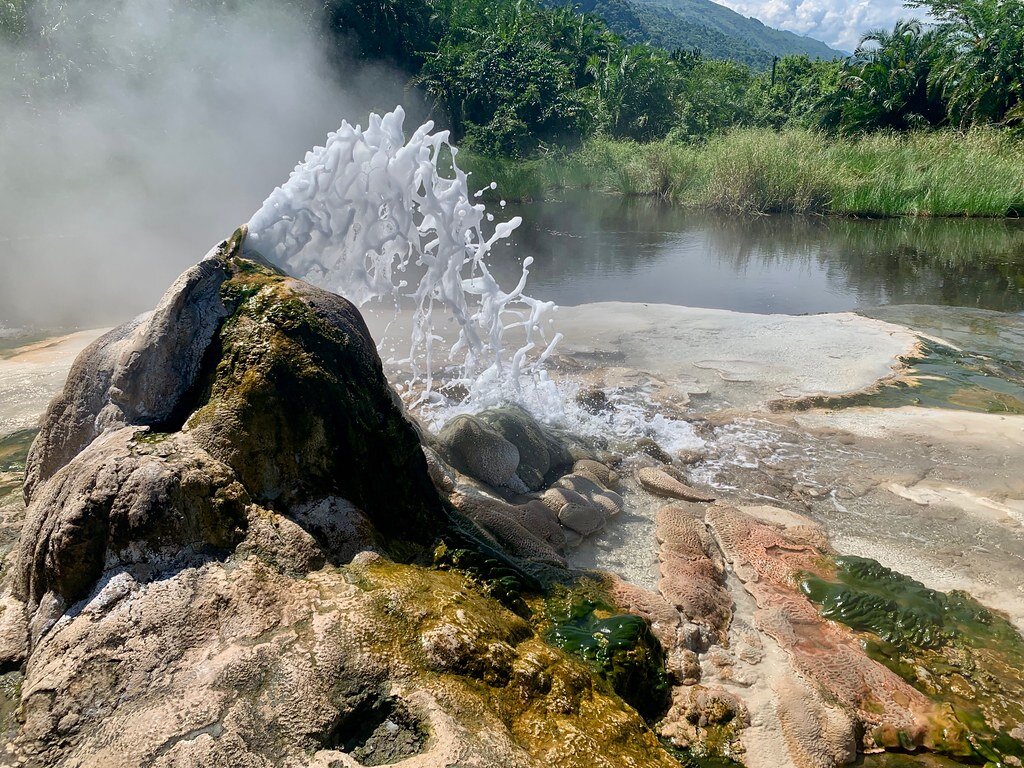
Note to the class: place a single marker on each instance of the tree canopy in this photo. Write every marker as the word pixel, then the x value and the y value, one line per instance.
pixel 517 77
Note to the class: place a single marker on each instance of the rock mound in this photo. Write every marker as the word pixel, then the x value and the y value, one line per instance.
pixel 223 560
pixel 243 389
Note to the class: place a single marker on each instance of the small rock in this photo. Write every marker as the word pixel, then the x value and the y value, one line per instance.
pixel 608 502
pixel 593 400
pixel 540 449
pixel 661 483
pixel 603 474
pixel 652 449
pixel 572 539
pixel 475 448
pixel 584 486
pixel 583 518
pixel 588 491
pixel 556 498
pixel 688 458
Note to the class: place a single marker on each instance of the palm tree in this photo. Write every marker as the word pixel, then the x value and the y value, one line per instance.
pixel 888 82
pixel 981 68
pixel 576 38
pixel 633 92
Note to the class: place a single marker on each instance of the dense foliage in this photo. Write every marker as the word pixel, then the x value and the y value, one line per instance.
pixel 978 59
pixel 517 77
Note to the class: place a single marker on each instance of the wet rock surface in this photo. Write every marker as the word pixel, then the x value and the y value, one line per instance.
pixel 237 551
pixel 518 480
pixel 230 556
pixel 662 483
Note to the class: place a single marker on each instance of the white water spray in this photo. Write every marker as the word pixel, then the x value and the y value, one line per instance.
pixel 367 206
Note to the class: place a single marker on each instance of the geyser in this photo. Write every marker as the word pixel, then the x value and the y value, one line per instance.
pixel 369 215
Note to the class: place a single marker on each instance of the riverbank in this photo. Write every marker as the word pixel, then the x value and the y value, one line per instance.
pixel 757 171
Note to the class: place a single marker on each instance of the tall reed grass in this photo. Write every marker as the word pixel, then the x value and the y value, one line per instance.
pixel 980 173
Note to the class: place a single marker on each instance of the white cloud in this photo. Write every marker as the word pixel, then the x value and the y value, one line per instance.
pixel 840 23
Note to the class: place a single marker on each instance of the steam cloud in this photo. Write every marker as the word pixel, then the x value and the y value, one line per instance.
pixel 138 133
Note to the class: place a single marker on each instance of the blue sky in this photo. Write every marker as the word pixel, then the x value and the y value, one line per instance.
pixel 840 23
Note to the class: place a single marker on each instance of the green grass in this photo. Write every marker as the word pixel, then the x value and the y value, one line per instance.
pixel 944 173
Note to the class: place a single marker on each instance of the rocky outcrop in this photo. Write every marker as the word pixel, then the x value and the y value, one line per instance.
pixel 137 374
pixel 237 551
pixel 243 389
pixel 890 712
pixel 692 569
pixel 227 559
pixel 516 478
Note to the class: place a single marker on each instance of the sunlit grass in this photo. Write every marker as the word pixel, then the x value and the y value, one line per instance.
pixel 945 173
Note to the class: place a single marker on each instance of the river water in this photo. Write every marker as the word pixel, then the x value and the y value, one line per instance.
pixel 591 248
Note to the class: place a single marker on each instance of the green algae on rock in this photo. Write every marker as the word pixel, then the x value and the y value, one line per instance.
pixel 295 393
pixel 690 758
pixel 621 647
pixel 937 376
pixel 947 645
pixel 495 577
pixel 455 639
pixel 13 452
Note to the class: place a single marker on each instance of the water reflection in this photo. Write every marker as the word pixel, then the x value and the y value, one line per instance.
pixel 598 248
pixel 591 247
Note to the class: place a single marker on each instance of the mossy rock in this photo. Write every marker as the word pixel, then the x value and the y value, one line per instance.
pixel 496 577
pixel 295 400
pixel 244 388
pixel 947 645
pixel 689 758
pixel 552 702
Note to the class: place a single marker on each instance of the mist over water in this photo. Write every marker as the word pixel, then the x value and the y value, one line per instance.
pixel 134 136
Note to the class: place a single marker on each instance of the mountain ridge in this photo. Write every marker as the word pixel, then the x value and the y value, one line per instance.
pixel 719 32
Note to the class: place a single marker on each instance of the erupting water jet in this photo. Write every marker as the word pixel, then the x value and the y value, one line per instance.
pixel 368 209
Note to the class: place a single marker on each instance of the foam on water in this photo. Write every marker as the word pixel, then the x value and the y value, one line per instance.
pixel 363 213
pixel 631 417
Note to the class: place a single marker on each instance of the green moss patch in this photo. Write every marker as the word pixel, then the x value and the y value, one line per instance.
pixel 947 645
pixel 295 401
pixel 495 578
pixel 691 759
pixel 619 646
pixel 13 453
